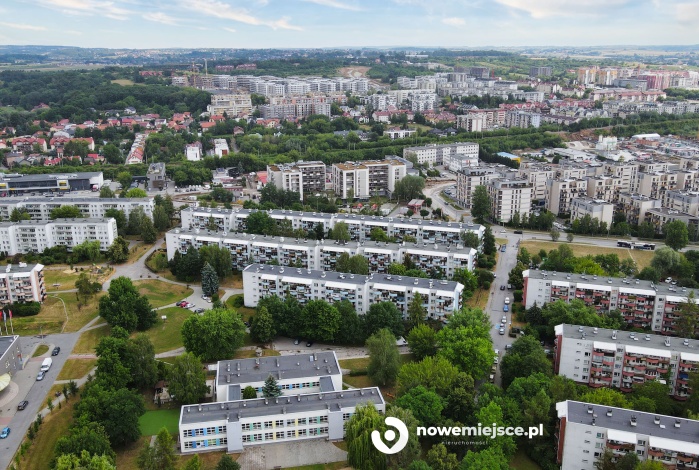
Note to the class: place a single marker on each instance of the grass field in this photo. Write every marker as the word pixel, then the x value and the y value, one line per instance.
pixel 52 316
pixel 65 278
pixel 137 251
pixel 153 421
pixel 642 257
pixel 128 456
pixel 479 299
pixel 161 293
pixel 76 369
pixel 55 425
pixel 123 82
pixel 165 335
pixel 234 281
pixel 87 342
pixel 42 349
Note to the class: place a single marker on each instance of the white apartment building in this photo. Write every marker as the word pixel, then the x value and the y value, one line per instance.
pixel 509 197
pixel 233 104
pixel 464 156
pixel 683 201
pixel 586 430
pixel 380 102
pixel 605 187
pixel 423 100
pixel 469 179
pixel 22 283
pixel 636 207
pixel 305 178
pixel 439 298
pixel 599 357
pixel 522 119
pixel 35 236
pixel 193 151
pixel 39 208
pixel 221 148
pixel 434 154
pixel 537 174
pixel 663 215
pixel 438 260
pixel 359 226
pixel 295 374
pixel 472 122
pixel 655 184
pixel 368 178
pixel 561 192
pixel 598 209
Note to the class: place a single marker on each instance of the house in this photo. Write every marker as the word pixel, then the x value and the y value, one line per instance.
pixel 206 126
pixel 237 130
pixel 193 151
pixel 26 144
pixel 397 133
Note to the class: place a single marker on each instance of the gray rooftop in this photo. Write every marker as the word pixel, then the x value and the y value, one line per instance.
pixel 51 176
pixel 18 268
pixel 242 371
pixel 660 288
pixel 235 410
pixel 327 276
pixel 688 431
pixel 72 200
pixel 6 343
pixel 631 339
pixel 85 220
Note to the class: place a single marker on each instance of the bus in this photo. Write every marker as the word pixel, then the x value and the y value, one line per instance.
pixel 623 244
pixel 644 246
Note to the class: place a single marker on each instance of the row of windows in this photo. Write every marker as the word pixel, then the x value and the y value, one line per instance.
pixel 270 436
pixel 206 443
pixel 204 431
pixel 280 423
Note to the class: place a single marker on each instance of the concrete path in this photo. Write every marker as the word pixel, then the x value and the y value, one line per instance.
pixel 290 454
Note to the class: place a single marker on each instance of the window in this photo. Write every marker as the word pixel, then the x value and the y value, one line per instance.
pixel 269 436
pixel 302 432
pixel 268 424
pixel 641 442
pixel 600 435
pixel 279 423
pixel 302 421
pixel 291 422
pixel 290 434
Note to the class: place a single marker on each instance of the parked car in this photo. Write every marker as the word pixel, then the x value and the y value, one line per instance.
pixel 55 351
pixel 492 378
pixel 507 300
pixel 502 287
pixel 297 341
pixel 5 432
pixel 505 308
pixel 503 248
pixel 518 232
pixel 41 375
pixel 22 405
pixel 496 361
pixel 181 303
pixel 504 319
pixel 502 331
pixel 309 344
pixel 508 347
pixel 199 310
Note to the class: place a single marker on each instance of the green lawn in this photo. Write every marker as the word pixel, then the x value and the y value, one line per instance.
pixel 41 350
pixel 153 421
pixel 165 335
pixel 52 316
pixel 161 293
pixel 76 368
pixel 88 340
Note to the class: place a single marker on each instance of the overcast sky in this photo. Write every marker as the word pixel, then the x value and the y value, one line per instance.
pixel 337 23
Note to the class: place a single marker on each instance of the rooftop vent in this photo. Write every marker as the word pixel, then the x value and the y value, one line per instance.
pixel 633 421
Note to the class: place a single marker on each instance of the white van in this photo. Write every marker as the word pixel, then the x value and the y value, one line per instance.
pixel 46 365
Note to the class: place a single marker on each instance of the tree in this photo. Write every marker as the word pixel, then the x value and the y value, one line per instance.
pixel 84 461
pixel 490 458
pixel 161 221
pixel 422 341
pixel 361 453
pixel 555 235
pixel 143 366
pixel 106 193
pixel 384 360
pixel 471 239
pixel 410 187
pixel 416 312
pixel 18 215
pixel 438 458
pixel 118 252
pixel 424 213
pixel 646 230
pixel 124 307
pixel 480 204
pixel 666 260
pixel 161 456
pixel 249 393
pixel 262 326
pixel 119 217
pixel 86 288
pixel 148 232
pixel 227 463
pixel 489 247
pixel 271 389
pixel 124 178
pixel 467 348
pixel 320 321
pixel 193 464
pixel 412 448
pixel 89 437
pixel 688 321
pixel 209 281
pixel 608 461
pixel 341 232
pixel 460 403
pixel 606 397
pixel 112 154
pixel 377 234
pixel 432 372
pixel 384 315
pixel 187 380
pixel 425 404
pixel 570 237
pixel 676 234
pixel 261 223
pixel 215 335
pixel 526 358
pixel 66 212
pixel 351 330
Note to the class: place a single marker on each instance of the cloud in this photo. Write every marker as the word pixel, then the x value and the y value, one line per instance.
pixel 28 27
pixel 687 13
pixel 549 8
pixel 334 4
pixel 224 11
pixel 88 7
pixel 454 21
pixel 159 17
pixel 230 30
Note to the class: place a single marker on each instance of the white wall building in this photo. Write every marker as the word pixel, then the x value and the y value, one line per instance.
pixel 39 208
pixel 35 236
pixel 221 147
pixel 193 151
pixel 305 178
pixel 598 209
pixel 434 154
pixel 367 178
pixel 509 197
pixel 22 283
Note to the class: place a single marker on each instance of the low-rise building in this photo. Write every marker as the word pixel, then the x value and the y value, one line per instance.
pixel 598 209
pixel 439 298
pixel 305 178
pixel 156 175
pixel 586 430
pixel 22 283
pixel 10 359
pixel 221 148
pixel 15 184
pixel 437 259
pixel 34 236
pixel 193 152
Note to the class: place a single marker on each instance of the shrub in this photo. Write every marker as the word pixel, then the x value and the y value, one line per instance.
pixel 24 309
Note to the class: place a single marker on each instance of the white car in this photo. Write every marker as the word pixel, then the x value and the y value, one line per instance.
pixel 503 231
pixel 507 300
pixel 504 319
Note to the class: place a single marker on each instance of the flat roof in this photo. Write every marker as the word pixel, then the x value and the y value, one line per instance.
pixel 385 280
pixel 49 176
pixel 630 339
pixel 240 371
pixel 233 411
pixel 620 419
pixel 19 268
pixel 6 342
pixel 74 200
pixel 86 220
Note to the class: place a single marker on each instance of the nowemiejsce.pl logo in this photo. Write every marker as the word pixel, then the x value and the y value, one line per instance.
pixel 491 431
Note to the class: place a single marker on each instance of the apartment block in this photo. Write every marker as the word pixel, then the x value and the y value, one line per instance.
pixel 561 192
pixel 439 298
pixel 606 188
pixel 643 304
pixel 472 122
pixel 367 178
pixel 682 201
pixel 439 154
pixel 543 71
pixel 585 430
pixel 626 172
pixel 22 283
pixel 636 207
pixel 522 119
pixel 537 174
pixel 599 357
pixel 305 178
pixel 359 226
pixel 464 156
pixel 663 215
pixel 596 208
pixel 440 260
pixel 468 179
pixel 655 184
pixel 39 208
pixel 232 104
pixel 32 236
pixel 509 197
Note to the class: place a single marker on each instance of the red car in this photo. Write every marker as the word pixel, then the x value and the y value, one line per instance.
pixel 181 303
